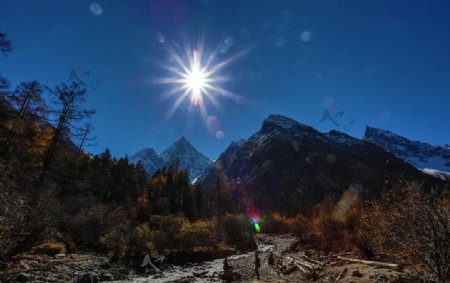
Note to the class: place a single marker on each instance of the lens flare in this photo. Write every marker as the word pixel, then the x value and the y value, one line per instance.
pixel 257 227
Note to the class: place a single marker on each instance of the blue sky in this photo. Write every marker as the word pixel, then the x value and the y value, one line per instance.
pixel 384 63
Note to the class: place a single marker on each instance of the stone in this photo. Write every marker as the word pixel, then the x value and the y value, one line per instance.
pixel 356 273
pixel 22 278
pixel 106 277
pixel 88 278
pixel 200 274
pixel 106 265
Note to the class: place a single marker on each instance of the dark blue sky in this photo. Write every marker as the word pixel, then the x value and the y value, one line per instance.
pixel 384 63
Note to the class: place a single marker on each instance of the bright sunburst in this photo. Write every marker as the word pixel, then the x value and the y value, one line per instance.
pixel 197 79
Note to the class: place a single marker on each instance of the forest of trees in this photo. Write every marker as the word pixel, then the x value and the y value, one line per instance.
pixel 54 191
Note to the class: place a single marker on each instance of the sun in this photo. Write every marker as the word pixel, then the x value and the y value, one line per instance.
pixel 196 80
pixel 196 77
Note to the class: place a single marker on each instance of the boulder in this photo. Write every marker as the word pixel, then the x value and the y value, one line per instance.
pixel 22 278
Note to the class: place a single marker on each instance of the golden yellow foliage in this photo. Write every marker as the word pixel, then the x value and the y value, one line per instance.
pixel 50 248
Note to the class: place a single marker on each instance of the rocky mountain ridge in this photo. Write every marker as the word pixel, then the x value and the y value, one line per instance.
pixel 180 154
pixel 430 159
pixel 288 166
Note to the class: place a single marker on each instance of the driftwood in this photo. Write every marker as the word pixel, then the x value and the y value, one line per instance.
pixel 311 263
pixel 341 275
pixel 373 263
pixel 289 264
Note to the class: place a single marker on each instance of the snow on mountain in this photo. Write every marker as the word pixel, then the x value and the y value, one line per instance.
pixel 180 154
pixel 342 138
pixel 440 174
pixel 289 167
pixel 149 158
pixel 434 160
pixel 280 121
pixel 183 155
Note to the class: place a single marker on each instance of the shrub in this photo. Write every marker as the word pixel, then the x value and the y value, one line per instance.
pixel 237 229
pixel 200 233
pixel 88 224
pixel 50 248
pixel 116 242
pixel 276 223
pixel 419 224
pixel 166 231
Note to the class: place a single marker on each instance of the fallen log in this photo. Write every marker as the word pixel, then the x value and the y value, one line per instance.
pixel 302 268
pixel 312 260
pixel 372 263
pixel 304 265
pixel 289 264
pixel 310 263
pixel 284 265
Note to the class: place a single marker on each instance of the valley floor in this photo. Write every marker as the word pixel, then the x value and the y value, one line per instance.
pixel 92 268
pixel 281 246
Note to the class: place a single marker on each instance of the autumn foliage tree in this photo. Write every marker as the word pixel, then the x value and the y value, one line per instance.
pixel 419 223
pixel 30 119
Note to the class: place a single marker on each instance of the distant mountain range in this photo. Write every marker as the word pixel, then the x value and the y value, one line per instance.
pixel 180 154
pixel 288 167
pixel 303 164
pixel 430 159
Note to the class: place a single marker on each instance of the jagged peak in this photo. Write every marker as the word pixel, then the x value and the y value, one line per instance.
pixel 280 121
pixel 146 151
pixel 181 145
pixel 342 137
pixel 182 142
pixel 237 143
pixel 182 139
pixel 370 131
pixel 340 134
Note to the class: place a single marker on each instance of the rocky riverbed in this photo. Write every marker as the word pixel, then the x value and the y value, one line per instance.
pixel 85 268
pixel 79 268
pixel 331 269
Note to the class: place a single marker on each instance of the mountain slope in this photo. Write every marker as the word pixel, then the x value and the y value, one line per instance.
pixel 289 167
pixel 431 159
pixel 149 158
pixel 180 154
pixel 183 155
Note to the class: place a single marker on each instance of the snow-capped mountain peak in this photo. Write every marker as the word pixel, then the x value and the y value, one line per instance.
pixel 180 154
pixel 181 144
pixel 280 121
pixel 287 163
pixel 423 156
pixel 150 160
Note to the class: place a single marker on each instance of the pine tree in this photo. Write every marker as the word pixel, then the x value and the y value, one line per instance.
pixel 100 172
pixel 199 201
pixel 142 176
pixel 188 206
pixel 172 191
